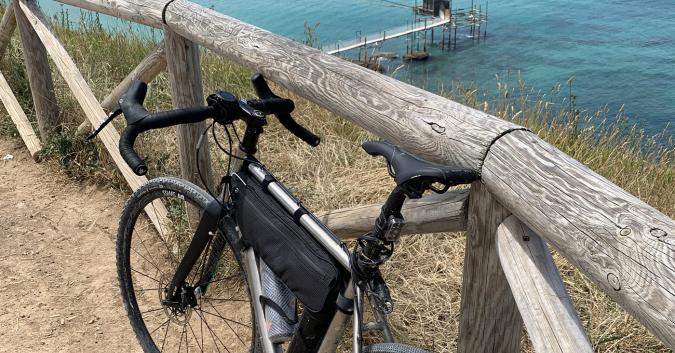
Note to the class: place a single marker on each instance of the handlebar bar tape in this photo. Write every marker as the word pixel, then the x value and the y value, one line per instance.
pixel 128 153
pixel 148 121
pixel 140 120
pixel 298 130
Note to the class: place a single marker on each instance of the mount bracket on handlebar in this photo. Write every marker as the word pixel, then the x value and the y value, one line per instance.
pixel 227 106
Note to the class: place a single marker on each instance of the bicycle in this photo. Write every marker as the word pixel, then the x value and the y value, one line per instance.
pixel 228 272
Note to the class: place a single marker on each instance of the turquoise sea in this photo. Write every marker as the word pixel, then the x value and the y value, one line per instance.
pixel 620 52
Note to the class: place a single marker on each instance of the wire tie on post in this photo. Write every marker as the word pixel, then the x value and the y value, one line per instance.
pixel 164 11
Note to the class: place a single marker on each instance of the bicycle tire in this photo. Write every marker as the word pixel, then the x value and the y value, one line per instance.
pixel 146 261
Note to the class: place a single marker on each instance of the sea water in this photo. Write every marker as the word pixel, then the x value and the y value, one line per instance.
pixel 621 53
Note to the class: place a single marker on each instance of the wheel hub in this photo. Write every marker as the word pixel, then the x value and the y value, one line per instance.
pixel 179 310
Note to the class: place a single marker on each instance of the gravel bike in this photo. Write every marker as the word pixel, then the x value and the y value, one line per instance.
pixel 251 269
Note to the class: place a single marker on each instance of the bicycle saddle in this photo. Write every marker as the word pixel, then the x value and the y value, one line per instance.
pixel 405 167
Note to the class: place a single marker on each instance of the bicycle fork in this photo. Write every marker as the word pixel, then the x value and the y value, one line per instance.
pixel 206 228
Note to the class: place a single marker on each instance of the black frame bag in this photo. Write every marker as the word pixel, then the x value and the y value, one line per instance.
pixel 292 253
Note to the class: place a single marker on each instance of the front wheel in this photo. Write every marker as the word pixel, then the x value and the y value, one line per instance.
pixel 216 317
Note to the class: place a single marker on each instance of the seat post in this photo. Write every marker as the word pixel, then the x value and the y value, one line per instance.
pixel 388 225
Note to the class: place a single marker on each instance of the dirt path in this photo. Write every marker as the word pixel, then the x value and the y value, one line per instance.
pixel 57 261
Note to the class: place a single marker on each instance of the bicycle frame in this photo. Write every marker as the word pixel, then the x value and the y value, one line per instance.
pixel 315 228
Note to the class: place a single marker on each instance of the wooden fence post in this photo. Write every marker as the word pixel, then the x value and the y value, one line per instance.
pixel 489 318
pixel 182 58
pixel 39 76
pixel 7 26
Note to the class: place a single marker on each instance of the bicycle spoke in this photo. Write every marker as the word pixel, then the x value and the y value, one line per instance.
pixel 213 337
pixel 201 331
pixel 143 257
pixel 161 228
pixel 222 279
pixel 164 340
pixel 143 241
pixel 203 265
pixel 140 231
pixel 145 275
pixel 224 318
pixel 180 342
pixel 165 239
pixel 227 300
pixel 228 325
pixel 144 289
pixel 157 328
pixel 201 348
pixel 151 310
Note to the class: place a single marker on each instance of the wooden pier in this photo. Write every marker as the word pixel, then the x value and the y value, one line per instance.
pixel 426 17
pixel 400 32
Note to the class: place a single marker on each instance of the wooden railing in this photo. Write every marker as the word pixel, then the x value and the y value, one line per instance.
pixel 529 194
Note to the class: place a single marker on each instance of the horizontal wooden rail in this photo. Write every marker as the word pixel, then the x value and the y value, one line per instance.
pixel 424 123
pixel 430 214
pixel 547 311
pixel 621 243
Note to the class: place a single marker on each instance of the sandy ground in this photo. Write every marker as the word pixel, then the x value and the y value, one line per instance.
pixel 57 262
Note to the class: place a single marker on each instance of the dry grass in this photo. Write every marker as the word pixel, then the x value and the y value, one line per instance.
pixel 425 272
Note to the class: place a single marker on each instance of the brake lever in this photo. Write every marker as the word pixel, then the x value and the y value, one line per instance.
pixel 112 115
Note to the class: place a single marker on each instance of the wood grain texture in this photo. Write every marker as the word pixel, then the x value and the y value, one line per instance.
pixel 19 118
pixel 421 122
pixel 489 321
pixel 621 243
pixel 85 97
pixel 147 14
pixel 39 77
pixel 146 71
pixel 7 27
pixel 547 311
pixel 430 214
pixel 186 87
